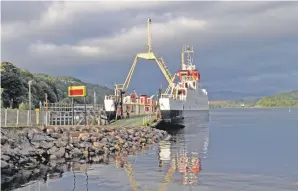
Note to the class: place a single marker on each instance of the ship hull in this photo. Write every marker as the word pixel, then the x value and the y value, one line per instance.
pixel 173 111
pixel 172 116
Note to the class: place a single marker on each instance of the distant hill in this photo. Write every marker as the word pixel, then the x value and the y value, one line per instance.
pixel 233 103
pixel 14 86
pixel 285 99
pixel 230 95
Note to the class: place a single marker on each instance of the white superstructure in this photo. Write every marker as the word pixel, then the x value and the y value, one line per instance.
pixel 186 95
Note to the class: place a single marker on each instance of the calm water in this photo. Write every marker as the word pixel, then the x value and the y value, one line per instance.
pixel 240 149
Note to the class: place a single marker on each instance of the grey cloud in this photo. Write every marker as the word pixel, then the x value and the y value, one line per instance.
pixel 241 42
pixel 22 10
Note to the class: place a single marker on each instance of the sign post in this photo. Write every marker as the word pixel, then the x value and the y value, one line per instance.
pixel 85 111
pixel 72 105
pixel 77 91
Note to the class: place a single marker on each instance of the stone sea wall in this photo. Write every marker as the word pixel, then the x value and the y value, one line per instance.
pixel 27 149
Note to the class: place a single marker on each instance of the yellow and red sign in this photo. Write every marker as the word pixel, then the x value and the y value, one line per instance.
pixel 77 91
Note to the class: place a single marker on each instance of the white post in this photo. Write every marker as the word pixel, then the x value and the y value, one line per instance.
pixel 38 118
pixel 64 118
pixel 60 118
pixel 46 118
pixel 5 118
pixel 94 97
pixel 17 117
pixel 49 118
pixel 28 117
pixel 30 107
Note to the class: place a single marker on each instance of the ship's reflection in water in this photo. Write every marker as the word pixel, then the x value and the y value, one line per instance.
pixel 176 160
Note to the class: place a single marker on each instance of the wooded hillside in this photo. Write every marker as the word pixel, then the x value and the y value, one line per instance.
pixel 14 87
pixel 285 99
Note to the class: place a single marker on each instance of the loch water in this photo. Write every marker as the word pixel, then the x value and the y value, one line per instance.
pixel 237 149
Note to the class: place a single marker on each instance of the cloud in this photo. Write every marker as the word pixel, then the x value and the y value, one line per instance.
pixel 124 41
pixel 44 49
pixel 247 41
pixel 64 13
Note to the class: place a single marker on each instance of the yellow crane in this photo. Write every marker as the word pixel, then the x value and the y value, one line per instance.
pixel 149 55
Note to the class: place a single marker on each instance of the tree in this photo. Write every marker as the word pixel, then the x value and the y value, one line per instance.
pixel 12 85
pixel 1 97
pixel 15 87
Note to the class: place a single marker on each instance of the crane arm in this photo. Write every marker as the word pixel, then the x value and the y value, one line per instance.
pixel 147 56
pixel 164 70
pixel 171 84
pixel 128 77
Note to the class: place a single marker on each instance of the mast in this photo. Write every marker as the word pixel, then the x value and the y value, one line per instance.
pixel 182 57
pixel 190 53
pixel 149 35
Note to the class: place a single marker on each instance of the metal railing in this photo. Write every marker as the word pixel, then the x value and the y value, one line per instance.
pixel 149 118
pixel 18 118
pixel 15 117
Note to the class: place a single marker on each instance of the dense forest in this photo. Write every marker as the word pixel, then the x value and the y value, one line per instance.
pixel 287 99
pixel 14 88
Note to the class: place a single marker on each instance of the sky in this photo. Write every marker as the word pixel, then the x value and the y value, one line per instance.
pixel 247 47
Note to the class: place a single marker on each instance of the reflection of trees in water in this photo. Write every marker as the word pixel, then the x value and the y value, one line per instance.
pixel 32 177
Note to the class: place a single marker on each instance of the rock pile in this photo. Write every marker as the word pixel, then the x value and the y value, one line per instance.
pixel 28 148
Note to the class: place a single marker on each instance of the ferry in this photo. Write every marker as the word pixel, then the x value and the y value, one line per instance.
pixel 186 95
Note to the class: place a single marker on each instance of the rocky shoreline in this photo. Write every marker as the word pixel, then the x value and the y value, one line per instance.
pixel 27 149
